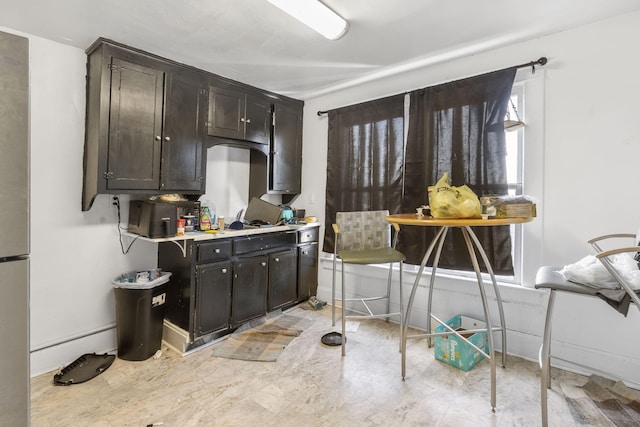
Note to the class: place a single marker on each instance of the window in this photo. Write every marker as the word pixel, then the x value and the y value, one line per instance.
pixel 515 173
pixel 526 172
pixel 365 158
pixel 457 128
pixel 515 182
pixel 515 163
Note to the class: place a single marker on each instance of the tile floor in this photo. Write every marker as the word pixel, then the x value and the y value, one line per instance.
pixel 309 385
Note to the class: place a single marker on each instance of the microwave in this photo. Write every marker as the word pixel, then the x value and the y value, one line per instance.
pixel 156 219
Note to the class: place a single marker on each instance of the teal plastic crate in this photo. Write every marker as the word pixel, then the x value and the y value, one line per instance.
pixel 453 350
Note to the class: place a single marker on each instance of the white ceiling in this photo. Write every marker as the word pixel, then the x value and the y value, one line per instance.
pixel 254 42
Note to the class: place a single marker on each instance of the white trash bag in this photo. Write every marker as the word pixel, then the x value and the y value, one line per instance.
pixel 589 271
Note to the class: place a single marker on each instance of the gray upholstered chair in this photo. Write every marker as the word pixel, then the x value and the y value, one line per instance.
pixel 365 238
pixel 549 277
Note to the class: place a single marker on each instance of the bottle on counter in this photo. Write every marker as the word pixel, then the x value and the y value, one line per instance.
pixel 205 218
pixel 180 227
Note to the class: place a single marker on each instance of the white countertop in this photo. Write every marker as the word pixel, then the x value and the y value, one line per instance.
pixel 202 235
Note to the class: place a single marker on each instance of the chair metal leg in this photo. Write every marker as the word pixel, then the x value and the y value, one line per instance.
pixel 344 335
pixel 386 315
pixel 400 284
pixel 545 363
pixel 389 278
pixel 333 293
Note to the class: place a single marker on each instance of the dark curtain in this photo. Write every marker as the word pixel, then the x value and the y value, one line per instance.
pixel 364 160
pixel 458 128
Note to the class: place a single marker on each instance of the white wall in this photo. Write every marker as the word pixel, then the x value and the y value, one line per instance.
pixel 585 184
pixel 227 183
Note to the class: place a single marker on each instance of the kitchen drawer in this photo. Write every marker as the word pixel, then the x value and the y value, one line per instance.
pixel 308 235
pixel 213 251
pixel 263 242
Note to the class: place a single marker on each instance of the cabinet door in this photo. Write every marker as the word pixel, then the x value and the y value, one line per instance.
pixel 181 292
pixel 282 279
pixel 182 154
pixel 286 153
pixel 249 295
pixel 135 126
pixel 257 119
pixel 213 297
pixel 226 113
pixel 307 271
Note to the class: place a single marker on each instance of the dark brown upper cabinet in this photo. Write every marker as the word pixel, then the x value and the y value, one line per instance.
pixel 135 126
pixel 144 124
pixel 145 127
pixel 286 154
pixel 239 114
pixel 282 167
pixel 182 152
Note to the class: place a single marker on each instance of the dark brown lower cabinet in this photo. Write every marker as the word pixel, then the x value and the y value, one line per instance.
pixel 282 278
pixel 213 297
pixel 249 295
pixel 307 270
pixel 219 284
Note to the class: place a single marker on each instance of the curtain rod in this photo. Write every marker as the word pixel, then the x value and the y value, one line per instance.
pixel 540 61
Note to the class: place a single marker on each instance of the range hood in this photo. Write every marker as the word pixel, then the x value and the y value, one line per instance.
pixel 238 143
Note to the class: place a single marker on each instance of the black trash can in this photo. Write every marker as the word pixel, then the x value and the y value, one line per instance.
pixel 140 308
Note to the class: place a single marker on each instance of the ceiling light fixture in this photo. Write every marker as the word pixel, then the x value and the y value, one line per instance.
pixel 315 15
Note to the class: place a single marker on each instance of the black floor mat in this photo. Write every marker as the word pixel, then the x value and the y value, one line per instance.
pixel 84 368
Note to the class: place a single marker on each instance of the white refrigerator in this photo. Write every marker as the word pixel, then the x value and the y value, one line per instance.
pixel 14 234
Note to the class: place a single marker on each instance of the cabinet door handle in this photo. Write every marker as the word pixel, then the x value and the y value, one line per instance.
pixel 158 138
pixel 242 119
pixel 264 264
pixel 217 250
pixel 166 138
pixel 224 271
pixel 248 120
pixel 276 259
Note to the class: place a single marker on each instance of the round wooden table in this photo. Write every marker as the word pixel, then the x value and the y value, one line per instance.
pixel 464 224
